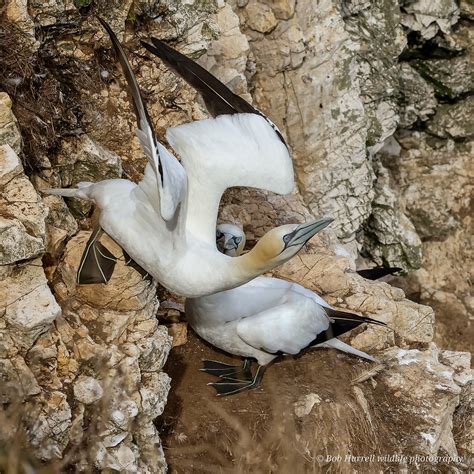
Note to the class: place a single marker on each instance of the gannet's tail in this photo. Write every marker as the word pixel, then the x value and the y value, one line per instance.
pixel 342 322
pixel 81 192
pixel 342 346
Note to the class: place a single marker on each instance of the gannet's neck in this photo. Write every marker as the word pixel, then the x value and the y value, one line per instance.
pixel 202 210
pixel 254 263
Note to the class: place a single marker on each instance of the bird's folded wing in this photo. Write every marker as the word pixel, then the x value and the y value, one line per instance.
pixel 170 175
pixel 287 328
pixel 219 99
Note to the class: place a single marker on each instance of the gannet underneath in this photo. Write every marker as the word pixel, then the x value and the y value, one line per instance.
pixel 262 319
pixel 166 223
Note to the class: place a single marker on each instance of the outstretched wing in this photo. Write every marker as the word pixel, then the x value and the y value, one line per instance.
pixel 239 147
pixel 219 99
pixel 170 175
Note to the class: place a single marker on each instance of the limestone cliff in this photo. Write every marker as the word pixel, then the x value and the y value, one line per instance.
pixel 375 100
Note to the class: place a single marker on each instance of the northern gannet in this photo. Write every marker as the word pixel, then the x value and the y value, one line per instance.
pixel 166 223
pixel 262 319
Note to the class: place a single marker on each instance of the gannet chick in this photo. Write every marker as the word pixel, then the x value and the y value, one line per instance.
pixel 262 319
pixel 166 223
pixel 230 239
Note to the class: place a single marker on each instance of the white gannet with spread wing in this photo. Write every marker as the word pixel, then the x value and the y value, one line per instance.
pixel 166 223
pixel 262 319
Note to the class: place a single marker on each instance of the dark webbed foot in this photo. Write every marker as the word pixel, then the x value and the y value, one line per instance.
pixel 97 262
pixel 221 369
pixel 229 386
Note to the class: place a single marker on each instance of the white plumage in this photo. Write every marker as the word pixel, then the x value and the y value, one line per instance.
pixel 166 223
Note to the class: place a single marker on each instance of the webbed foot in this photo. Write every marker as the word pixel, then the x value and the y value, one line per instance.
pixel 97 262
pixel 229 386
pixel 221 369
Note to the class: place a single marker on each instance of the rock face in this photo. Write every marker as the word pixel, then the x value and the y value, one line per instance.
pixel 81 367
pixel 375 100
pixel 22 213
pixel 114 332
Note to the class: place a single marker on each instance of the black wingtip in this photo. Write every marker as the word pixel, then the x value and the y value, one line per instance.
pixel 139 106
pixel 106 26
pixel 347 316
pixel 219 99
pixel 378 272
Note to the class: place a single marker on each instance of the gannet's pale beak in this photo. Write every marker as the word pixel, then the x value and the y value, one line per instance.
pixel 231 241
pixel 304 232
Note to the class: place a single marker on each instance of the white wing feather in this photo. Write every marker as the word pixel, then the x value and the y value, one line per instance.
pixel 288 328
pixel 234 150
pixel 226 151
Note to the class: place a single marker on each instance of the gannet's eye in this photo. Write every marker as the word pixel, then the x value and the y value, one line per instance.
pixel 219 234
pixel 286 238
pixel 237 240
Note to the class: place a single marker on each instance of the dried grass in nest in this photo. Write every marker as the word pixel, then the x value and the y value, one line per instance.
pixel 45 88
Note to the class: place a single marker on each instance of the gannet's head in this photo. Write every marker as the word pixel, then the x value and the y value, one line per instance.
pixel 282 243
pixel 230 239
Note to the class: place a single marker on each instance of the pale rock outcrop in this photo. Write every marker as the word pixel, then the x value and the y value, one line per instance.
pixel 9 132
pixel 29 308
pixel 430 386
pixel 92 366
pixel 259 17
pixel 121 389
pixel 16 13
pixel 421 382
pixel 226 56
pixel 87 390
pixel 390 237
pixel 60 225
pixel 454 120
pixel 467 9
pixel 82 159
pixel 327 134
pixel 430 16
pixel 434 201
pixel 450 78
pixel 418 100
pixel 22 214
